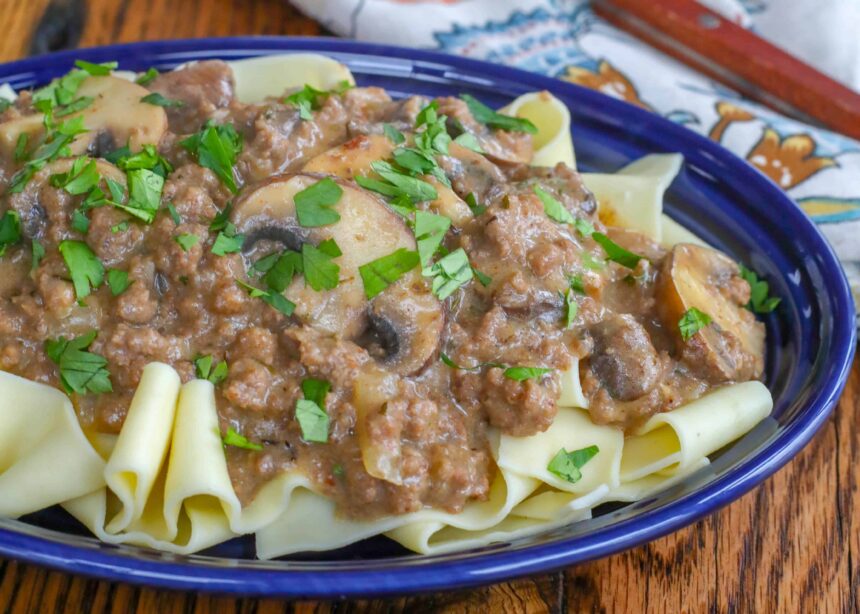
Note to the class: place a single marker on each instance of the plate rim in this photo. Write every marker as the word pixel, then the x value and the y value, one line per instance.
pixel 379 579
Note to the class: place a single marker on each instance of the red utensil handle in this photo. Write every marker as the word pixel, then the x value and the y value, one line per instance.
pixel 728 53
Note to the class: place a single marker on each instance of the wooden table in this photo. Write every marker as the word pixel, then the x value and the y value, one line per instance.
pixel 793 544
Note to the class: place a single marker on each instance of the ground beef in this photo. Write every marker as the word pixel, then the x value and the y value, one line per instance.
pixel 202 87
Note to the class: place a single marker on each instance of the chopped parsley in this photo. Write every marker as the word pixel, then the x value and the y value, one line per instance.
pixel 279 273
pixel 393 134
pixel 82 177
pixel 449 273
pixel 314 203
pixel 520 374
pixel 310 411
pixel 38 251
pixel 147 77
pixel 121 227
pixel 96 70
pixel 80 221
pixel 567 465
pixel 319 270
pixel 759 301
pixel 553 208
pixel 232 438
pixel 80 371
pixel 274 299
pixel 21 147
pixel 430 230
pixel 206 368
pixel 216 148
pixel 78 104
pixel 10 229
pixel 117 281
pixel 144 194
pixel 378 274
pixel 469 141
pixel 186 240
pixel 171 209
pixel 487 116
pixel 472 201
pixel 577 284
pixel 484 280
pixel 84 267
pixel 55 144
pixel 147 158
pixel 306 100
pixel 583 227
pixel 396 183
pixel 227 241
pixel 692 322
pixel 615 252
pixel 160 101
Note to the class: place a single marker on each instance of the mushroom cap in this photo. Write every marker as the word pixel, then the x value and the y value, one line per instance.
pixel 367 230
pixel 351 158
pixel 115 112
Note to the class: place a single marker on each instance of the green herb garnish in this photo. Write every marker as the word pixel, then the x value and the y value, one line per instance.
pixel 378 274
pixel 232 438
pixel 430 230
pixel 487 116
pixel 80 371
pixel 10 229
pixel 567 465
pixel 96 70
pixel 310 411
pixel 615 252
pixel 520 374
pixel 314 203
pixel 759 301
pixel 147 77
pixel 319 270
pixel 553 208
pixel 160 101
pixel 216 148
pixel 186 240
pixel 85 269
pixel 206 368
pixel 117 281
pixel 692 322
pixel 449 273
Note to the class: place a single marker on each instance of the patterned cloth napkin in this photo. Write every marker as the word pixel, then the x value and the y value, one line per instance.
pixel 565 39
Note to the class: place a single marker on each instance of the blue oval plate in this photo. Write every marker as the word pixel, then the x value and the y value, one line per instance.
pixel 811 340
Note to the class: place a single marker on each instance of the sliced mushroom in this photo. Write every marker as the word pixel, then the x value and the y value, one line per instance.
pixel 731 348
pixel 403 324
pixel 470 172
pixel 623 360
pixel 116 117
pixel 352 158
pixel 118 111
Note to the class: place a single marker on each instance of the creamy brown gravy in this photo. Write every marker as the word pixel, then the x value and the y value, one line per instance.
pixel 430 426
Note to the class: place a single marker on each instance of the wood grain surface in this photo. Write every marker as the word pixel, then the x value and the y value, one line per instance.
pixel 792 545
